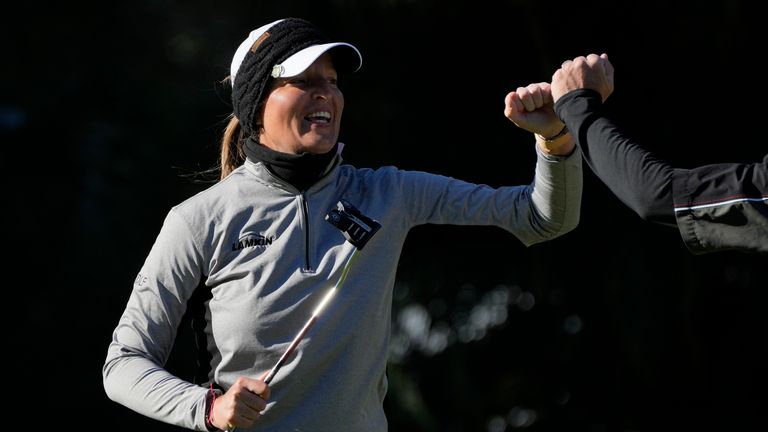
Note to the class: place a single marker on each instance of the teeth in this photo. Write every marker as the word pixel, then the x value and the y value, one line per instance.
pixel 321 115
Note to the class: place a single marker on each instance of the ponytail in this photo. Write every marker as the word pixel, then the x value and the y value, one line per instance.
pixel 232 155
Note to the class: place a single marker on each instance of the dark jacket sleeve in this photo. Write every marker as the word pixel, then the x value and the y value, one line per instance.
pixel 723 206
pixel 716 207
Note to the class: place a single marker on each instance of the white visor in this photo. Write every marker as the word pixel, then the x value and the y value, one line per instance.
pixel 300 61
pixel 296 63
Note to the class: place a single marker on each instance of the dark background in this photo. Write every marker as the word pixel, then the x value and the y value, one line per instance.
pixel 110 110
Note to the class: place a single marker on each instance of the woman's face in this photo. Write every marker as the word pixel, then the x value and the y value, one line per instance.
pixel 303 113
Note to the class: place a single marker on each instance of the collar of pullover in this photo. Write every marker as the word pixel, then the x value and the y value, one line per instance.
pixel 300 171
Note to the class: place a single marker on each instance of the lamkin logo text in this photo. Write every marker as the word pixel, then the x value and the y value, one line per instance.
pixel 251 240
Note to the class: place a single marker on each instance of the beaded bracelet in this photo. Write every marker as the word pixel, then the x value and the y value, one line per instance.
pixel 562 132
pixel 210 399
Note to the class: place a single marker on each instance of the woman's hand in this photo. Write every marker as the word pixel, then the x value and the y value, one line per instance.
pixel 532 108
pixel 241 405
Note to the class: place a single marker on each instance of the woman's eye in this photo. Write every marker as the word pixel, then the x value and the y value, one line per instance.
pixel 300 82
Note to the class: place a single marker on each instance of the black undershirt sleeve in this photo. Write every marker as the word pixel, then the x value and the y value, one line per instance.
pixel 639 179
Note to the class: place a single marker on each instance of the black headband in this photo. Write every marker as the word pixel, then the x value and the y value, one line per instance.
pixel 282 40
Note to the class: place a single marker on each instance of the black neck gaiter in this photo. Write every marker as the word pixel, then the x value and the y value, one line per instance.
pixel 301 171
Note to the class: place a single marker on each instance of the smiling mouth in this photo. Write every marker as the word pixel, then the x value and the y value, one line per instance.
pixel 322 117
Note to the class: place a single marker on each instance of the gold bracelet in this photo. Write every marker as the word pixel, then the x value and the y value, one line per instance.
pixel 562 132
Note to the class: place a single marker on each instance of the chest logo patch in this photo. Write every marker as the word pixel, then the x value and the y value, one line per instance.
pixel 251 239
